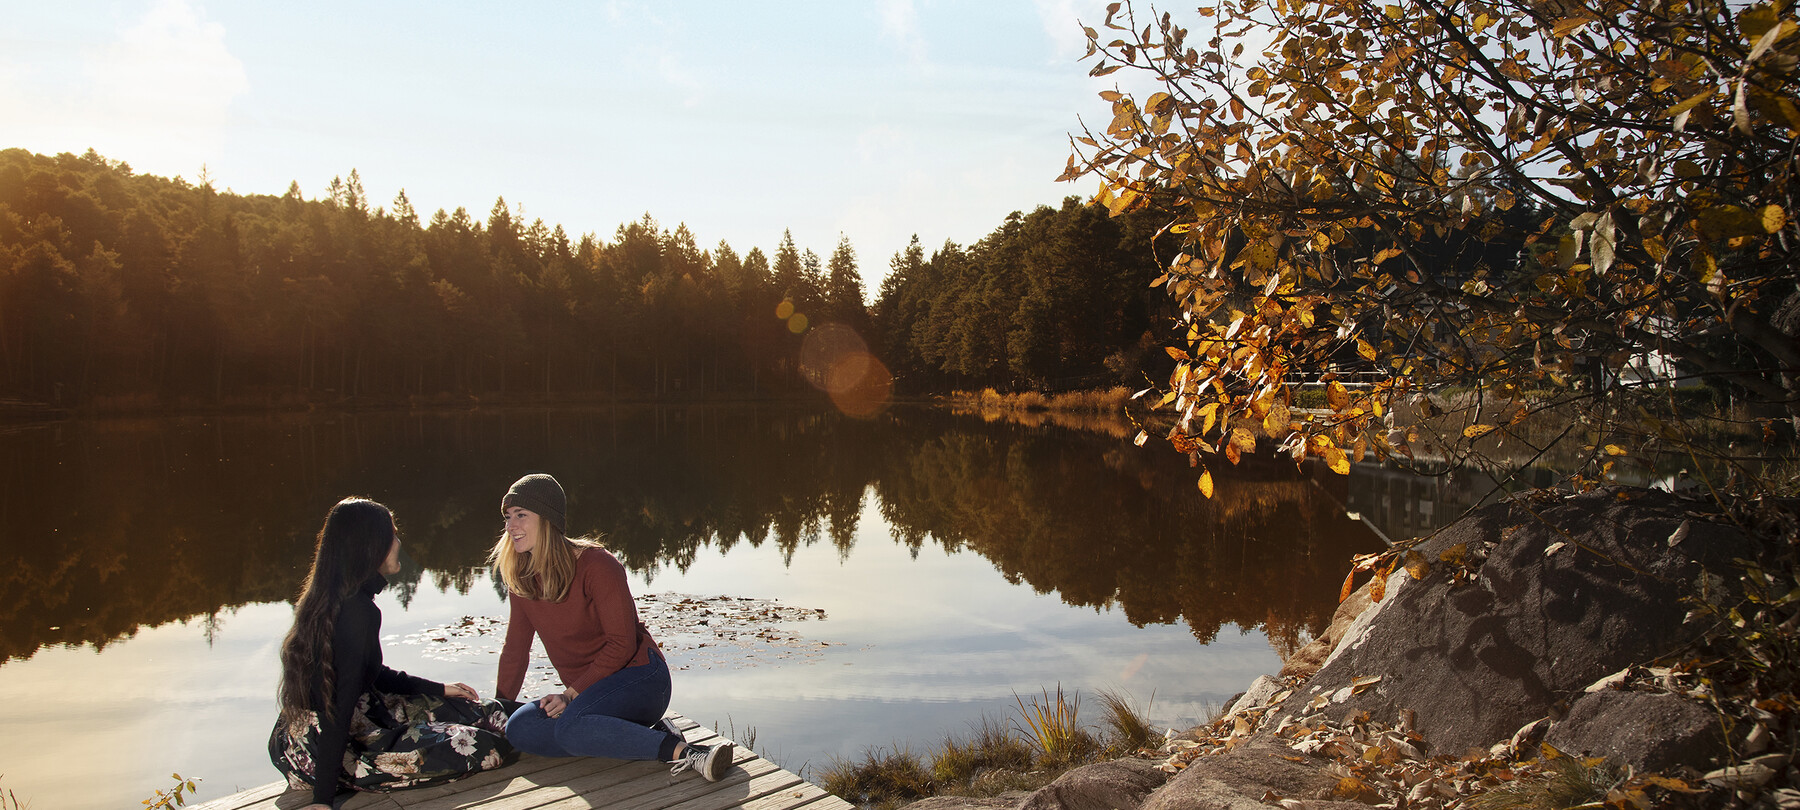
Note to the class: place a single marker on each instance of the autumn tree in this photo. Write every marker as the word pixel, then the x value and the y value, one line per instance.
pixel 1340 173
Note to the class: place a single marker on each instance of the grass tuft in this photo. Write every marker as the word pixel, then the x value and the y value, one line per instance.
pixel 1568 782
pixel 1129 730
pixel 882 778
pixel 1052 725
pixel 992 749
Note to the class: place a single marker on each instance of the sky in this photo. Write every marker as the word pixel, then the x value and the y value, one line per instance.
pixel 872 120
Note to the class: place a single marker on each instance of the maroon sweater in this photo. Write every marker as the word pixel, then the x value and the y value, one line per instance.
pixel 592 633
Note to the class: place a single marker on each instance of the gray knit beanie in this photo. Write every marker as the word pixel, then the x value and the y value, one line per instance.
pixel 541 494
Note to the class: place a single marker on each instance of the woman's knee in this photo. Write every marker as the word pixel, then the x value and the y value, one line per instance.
pixel 532 731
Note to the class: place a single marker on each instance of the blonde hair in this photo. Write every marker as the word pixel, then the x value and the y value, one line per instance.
pixel 545 572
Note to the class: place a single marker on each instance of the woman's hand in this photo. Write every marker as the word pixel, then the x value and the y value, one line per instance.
pixel 553 705
pixel 460 690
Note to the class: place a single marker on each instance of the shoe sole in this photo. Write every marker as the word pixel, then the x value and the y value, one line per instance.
pixel 718 762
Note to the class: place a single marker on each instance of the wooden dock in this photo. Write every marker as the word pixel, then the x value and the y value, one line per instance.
pixel 535 782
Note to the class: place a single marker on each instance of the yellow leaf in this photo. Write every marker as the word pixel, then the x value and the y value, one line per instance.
pixel 1690 103
pixel 1563 27
pixel 1363 348
pixel 1477 431
pixel 1394 12
pixel 1260 255
pixel 1206 483
pixel 1615 450
pixel 1243 440
pixel 1176 353
pixel 1773 218
pixel 1276 422
pixel 1337 460
pixel 1336 396
pixel 1349 580
pixel 1416 566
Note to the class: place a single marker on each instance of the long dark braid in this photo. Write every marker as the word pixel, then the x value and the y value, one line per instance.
pixel 350 548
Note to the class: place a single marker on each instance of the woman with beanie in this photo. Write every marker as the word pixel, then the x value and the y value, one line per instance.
pixel 347 721
pixel 572 594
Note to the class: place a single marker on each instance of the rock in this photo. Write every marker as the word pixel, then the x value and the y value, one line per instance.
pixel 1309 658
pixel 1648 731
pixel 1120 784
pixel 1241 777
pixel 1005 801
pixel 1261 689
pixel 1564 592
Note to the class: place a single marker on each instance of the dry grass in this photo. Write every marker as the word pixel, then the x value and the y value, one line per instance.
pixel 1106 401
pixel 1568 782
pixel 993 748
pixel 1129 730
pixel 882 778
pixel 998 757
pixel 1053 727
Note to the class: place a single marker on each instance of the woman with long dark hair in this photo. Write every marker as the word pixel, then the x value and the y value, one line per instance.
pixel 572 594
pixel 347 721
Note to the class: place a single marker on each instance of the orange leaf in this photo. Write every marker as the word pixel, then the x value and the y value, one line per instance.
pixel 1206 483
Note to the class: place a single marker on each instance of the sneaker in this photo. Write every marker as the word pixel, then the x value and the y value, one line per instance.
pixel 711 762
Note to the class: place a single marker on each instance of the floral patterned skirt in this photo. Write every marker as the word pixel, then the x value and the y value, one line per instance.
pixel 400 741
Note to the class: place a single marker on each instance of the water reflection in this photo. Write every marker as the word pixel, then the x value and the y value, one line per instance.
pixel 106 527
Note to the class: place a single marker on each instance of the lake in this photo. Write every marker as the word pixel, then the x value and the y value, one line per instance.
pixel 908 573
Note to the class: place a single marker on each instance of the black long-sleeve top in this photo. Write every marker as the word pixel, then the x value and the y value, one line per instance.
pixel 356 660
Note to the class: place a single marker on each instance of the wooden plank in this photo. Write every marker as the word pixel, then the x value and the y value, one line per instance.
pixel 806 794
pixel 547 783
pixel 560 771
pixel 244 799
pixel 645 787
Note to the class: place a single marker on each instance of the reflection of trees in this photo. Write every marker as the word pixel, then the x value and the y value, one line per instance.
pixel 112 525
pixel 1104 528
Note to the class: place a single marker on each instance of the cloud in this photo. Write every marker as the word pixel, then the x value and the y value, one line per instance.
pixel 1062 20
pixel 900 22
pixel 156 92
pixel 170 71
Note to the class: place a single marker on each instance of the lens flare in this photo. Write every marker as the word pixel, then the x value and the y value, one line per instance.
pixel 837 361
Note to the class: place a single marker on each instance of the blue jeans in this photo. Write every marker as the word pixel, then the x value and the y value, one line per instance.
pixel 612 718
